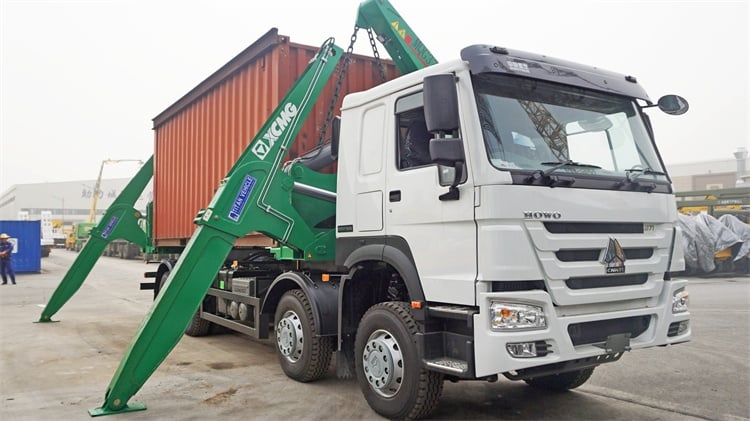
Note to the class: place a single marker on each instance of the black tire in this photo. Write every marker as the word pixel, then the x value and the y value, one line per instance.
pixel 563 381
pixel 198 326
pixel 387 363
pixel 159 282
pixel 303 355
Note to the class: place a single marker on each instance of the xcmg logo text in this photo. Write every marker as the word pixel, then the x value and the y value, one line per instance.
pixel 263 145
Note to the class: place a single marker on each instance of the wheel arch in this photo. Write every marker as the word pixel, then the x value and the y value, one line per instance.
pixel 323 297
pixel 396 253
pixel 375 262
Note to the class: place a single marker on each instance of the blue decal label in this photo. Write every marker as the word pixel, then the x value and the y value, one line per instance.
pixel 110 226
pixel 241 199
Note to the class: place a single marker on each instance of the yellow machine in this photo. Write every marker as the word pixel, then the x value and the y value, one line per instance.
pixel 734 201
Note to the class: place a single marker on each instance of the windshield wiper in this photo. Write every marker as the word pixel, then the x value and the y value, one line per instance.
pixel 632 175
pixel 544 175
pixel 634 172
pixel 559 164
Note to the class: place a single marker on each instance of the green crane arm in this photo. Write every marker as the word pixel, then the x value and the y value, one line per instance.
pixel 256 196
pixel 120 221
pixel 402 44
pixel 249 199
pixel 288 221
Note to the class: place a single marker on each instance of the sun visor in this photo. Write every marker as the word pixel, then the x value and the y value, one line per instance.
pixel 490 59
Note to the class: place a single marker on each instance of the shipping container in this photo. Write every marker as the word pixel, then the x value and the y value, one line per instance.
pixel 198 138
pixel 26 237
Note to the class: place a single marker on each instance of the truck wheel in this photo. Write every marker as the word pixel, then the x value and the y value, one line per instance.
pixel 563 381
pixel 388 369
pixel 198 326
pixel 160 283
pixel 303 355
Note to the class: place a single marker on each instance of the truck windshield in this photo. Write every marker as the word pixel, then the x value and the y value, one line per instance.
pixel 532 125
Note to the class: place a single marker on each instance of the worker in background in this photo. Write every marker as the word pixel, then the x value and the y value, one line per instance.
pixel 6 249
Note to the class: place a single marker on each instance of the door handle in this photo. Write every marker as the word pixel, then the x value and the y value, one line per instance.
pixel 394 196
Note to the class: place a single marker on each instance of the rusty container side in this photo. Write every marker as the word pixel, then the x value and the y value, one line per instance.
pixel 198 139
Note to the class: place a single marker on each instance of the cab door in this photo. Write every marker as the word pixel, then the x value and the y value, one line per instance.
pixel 440 235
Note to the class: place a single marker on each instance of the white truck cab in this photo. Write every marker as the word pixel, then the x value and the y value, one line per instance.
pixel 544 218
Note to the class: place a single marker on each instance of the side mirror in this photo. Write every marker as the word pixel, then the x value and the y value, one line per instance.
pixel 441 103
pixel 441 117
pixel 673 104
pixel 335 134
pixel 447 151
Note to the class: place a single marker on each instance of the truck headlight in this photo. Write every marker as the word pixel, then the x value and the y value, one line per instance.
pixel 680 301
pixel 514 316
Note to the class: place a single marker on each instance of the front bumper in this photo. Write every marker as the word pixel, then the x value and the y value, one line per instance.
pixel 491 356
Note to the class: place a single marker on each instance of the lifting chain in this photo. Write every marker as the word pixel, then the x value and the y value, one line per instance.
pixel 342 75
pixel 381 69
pixel 337 88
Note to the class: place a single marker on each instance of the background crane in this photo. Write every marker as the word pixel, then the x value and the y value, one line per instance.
pixel 95 196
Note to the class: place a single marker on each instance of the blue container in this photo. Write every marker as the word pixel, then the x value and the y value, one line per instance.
pixel 26 237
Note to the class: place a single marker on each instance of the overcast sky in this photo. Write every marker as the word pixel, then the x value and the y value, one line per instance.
pixel 82 79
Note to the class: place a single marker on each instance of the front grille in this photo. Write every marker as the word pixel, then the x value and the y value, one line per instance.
pixel 606 281
pixel 639 253
pixel 599 331
pixel 507 286
pixel 674 327
pixel 593 228
pixel 592 255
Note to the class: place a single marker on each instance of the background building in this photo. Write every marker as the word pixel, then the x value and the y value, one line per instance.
pixel 709 175
pixel 69 201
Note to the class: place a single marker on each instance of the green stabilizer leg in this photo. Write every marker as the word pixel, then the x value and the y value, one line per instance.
pixel 131 407
pixel 119 222
pixel 169 316
pixel 243 203
pixel 74 278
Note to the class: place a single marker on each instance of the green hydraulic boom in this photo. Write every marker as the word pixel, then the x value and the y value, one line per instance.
pixel 402 44
pixel 119 222
pixel 255 196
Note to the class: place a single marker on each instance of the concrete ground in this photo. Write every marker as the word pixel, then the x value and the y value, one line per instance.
pixel 59 370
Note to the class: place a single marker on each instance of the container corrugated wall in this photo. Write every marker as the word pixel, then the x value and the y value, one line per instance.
pixel 198 139
pixel 27 239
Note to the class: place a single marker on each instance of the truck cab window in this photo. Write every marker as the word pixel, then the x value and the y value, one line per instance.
pixel 413 139
pixel 413 142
